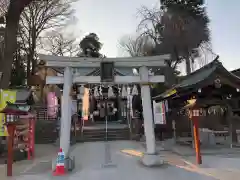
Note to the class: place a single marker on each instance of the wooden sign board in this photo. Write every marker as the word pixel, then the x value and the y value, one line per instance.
pixel 107 71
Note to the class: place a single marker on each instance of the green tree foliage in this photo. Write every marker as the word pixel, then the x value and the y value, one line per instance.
pixel 184 28
pixel 192 8
pixel 179 28
pixel 90 46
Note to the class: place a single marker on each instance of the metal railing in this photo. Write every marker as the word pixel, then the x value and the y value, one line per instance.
pixel 42 113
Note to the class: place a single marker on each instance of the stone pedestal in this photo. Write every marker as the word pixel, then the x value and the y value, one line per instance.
pixel 207 138
pixel 152 160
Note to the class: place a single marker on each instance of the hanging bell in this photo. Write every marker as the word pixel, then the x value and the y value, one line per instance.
pixel 134 90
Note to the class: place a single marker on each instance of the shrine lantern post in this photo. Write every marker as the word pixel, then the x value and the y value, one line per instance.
pixel 12 113
pixel 195 114
pixel 11 126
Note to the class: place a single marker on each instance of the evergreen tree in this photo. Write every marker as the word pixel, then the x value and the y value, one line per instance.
pixel 185 29
pixel 90 46
pixel 192 8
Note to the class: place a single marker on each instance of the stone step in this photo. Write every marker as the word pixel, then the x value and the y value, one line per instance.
pixel 45 132
pixel 102 135
pixel 112 131
pixel 101 139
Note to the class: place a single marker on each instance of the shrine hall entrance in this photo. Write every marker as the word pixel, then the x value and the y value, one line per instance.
pixel 105 110
pixel 108 105
pixel 109 113
pixel 109 102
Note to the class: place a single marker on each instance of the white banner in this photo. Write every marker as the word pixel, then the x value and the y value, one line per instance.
pixel 159 112
pixel 74 107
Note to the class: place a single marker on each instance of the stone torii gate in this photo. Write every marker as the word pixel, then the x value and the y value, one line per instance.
pixel 75 70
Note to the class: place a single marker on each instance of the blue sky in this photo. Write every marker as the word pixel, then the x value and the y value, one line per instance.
pixel 112 19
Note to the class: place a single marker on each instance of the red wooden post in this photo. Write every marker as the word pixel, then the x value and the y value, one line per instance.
pixel 29 138
pixel 195 118
pixel 33 137
pixel 11 129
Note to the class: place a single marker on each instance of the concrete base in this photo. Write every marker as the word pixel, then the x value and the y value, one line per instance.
pixel 69 164
pixel 152 160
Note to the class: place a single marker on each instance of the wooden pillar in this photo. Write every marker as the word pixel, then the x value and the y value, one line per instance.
pixel 230 123
pixel 196 139
pixel 174 131
pixel 31 139
pixel 11 129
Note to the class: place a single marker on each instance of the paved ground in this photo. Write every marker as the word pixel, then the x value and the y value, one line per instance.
pixel 222 167
pixel 44 153
pixel 221 163
pixel 91 157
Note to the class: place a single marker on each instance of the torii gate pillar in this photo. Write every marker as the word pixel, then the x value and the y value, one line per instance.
pixel 147 111
pixel 150 158
pixel 66 105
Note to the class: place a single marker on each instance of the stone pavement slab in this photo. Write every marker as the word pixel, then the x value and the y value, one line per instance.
pixel 220 162
pixel 91 157
pixel 43 154
pixel 219 165
pixel 185 150
pixel 223 165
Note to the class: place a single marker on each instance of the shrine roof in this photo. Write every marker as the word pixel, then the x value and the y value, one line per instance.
pixel 201 78
pixel 16 108
pixel 22 95
pixel 236 72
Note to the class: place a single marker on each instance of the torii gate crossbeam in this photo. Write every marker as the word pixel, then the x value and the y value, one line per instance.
pixel 144 79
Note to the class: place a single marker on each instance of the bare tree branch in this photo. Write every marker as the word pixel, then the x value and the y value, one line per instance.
pixel 137 46
pixel 56 43
pixel 150 21
pixel 174 33
pixel 37 19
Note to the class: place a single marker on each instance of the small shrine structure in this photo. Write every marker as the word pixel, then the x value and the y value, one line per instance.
pixel 20 124
pixel 209 86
